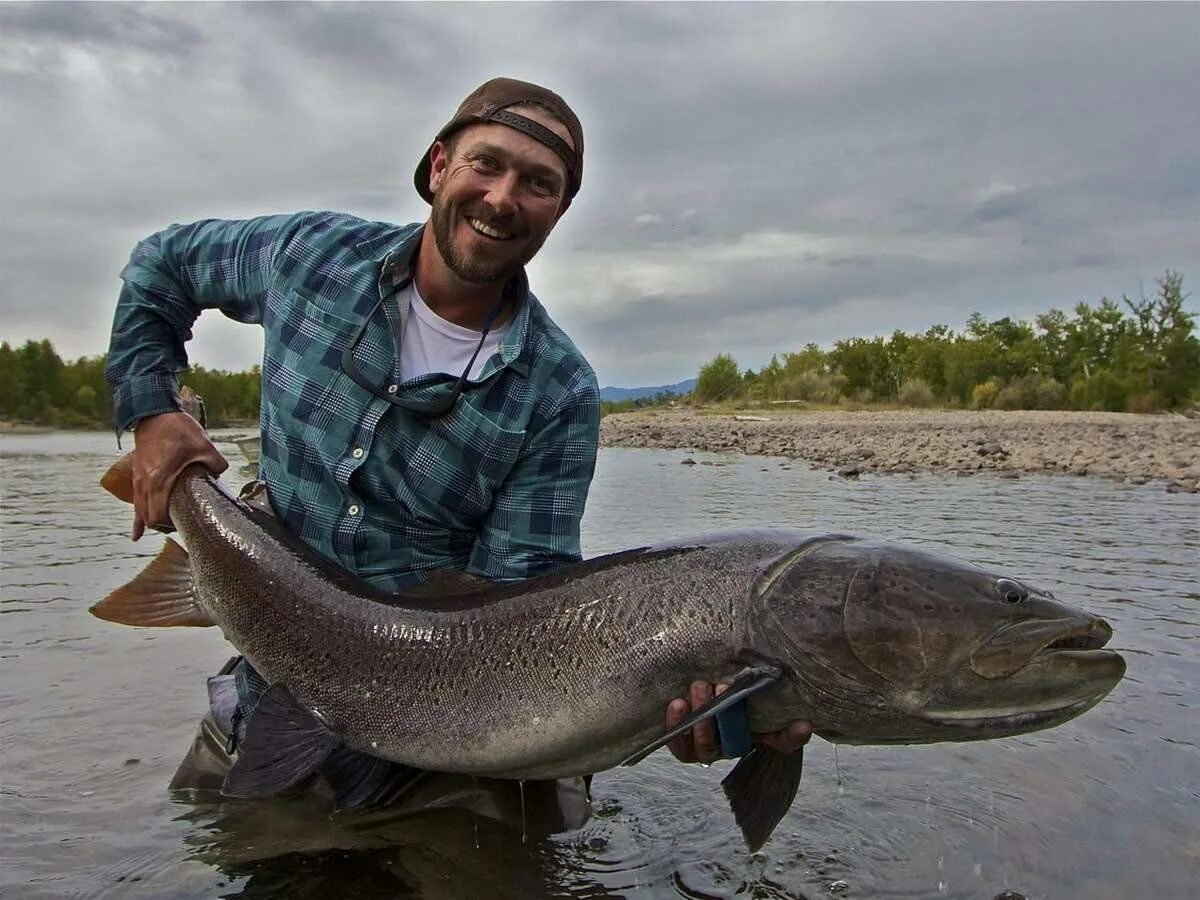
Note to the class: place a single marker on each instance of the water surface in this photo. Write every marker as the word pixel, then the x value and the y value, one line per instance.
pixel 95 717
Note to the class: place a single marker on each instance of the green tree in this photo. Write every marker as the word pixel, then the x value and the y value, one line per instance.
pixel 1167 354
pixel 719 380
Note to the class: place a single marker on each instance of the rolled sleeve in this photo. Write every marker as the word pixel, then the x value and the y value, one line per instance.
pixel 171 277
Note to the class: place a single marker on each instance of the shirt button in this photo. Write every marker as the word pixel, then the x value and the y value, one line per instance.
pixel 392 388
pixel 353 510
pixel 358 453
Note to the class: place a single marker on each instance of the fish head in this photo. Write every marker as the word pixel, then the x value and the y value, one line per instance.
pixel 911 646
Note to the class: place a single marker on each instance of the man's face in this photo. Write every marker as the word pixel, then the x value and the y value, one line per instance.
pixel 497 195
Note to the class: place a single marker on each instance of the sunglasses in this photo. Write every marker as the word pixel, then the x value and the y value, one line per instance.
pixel 434 407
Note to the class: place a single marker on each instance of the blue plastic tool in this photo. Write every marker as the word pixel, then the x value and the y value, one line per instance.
pixel 733 730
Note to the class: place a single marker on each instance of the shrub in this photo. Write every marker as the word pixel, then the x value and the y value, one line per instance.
pixel 984 394
pixel 1150 401
pixel 719 380
pixel 814 387
pixel 915 392
pixel 1032 392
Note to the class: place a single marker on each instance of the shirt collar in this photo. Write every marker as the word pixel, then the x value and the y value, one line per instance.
pixel 394 274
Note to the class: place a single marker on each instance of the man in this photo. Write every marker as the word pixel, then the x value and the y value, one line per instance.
pixel 420 409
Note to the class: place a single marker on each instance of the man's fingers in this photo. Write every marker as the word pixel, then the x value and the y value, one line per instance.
pixel 217 462
pixel 681 747
pixel 158 510
pixel 704 734
pixel 787 740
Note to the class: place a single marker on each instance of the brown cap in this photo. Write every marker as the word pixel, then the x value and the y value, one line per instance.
pixel 489 103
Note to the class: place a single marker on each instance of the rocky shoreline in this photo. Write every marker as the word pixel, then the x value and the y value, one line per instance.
pixel 1121 446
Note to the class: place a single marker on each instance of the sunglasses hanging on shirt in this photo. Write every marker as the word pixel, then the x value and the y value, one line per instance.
pixel 434 407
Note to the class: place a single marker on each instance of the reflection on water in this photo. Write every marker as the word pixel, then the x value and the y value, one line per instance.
pixel 96 717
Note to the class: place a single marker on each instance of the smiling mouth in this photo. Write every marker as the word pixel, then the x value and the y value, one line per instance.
pixel 489 231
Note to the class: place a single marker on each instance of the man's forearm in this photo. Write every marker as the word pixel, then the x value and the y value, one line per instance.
pixel 171 277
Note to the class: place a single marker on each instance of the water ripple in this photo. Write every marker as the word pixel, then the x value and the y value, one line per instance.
pixel 1039 814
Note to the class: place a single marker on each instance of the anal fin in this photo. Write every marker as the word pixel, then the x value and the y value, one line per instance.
pixel 760 790
pixel 284 744
pixel 162 595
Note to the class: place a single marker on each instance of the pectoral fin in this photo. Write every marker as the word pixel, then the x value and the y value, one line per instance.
pixel 748 681
pixel 284 744
pixel 162 595
pixel 760 790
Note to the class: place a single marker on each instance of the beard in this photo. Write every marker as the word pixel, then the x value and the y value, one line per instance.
pixel 478 268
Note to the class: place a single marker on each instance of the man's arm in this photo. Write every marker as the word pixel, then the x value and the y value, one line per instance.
pixel 171 277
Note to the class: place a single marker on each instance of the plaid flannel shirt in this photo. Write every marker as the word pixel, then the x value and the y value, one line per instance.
pixel 496 487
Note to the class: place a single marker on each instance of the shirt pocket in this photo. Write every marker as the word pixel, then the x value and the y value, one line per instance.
pixel 303 382
pixel 309 319
pixel 460 463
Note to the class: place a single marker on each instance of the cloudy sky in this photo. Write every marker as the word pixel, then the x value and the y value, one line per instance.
pixel 757 175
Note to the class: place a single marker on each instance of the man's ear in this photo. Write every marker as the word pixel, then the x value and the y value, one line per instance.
pixel 439 160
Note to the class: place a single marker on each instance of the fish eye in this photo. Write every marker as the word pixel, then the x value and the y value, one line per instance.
pixel 1011 591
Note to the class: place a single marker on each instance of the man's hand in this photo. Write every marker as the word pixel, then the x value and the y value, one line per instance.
pixel 701 744
pixel 166 445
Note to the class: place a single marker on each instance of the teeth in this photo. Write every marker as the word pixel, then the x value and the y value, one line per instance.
pixel 491 232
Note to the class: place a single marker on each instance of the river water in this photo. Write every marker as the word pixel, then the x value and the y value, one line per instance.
pixel 94 718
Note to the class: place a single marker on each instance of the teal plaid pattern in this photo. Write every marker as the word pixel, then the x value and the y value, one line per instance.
pixel 496 487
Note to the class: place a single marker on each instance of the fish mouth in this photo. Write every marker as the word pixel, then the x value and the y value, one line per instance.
pixel 1041 672
pixel 1021 644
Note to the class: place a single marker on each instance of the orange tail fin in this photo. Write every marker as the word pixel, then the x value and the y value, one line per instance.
pixel 118 480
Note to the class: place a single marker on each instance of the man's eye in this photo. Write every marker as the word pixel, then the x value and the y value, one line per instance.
pixel 542 187
pixel 485 164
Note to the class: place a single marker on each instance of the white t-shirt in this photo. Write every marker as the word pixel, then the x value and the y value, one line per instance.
pixel 428 343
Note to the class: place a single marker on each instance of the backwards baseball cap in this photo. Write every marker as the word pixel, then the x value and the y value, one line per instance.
pixel 490 102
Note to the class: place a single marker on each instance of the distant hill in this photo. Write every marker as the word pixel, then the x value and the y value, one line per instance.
pixel 617 394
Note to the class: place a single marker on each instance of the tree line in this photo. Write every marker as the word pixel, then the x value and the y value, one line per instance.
pixel 1142 356
pixel 38 387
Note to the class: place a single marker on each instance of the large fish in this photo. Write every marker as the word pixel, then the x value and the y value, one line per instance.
pixel 569 674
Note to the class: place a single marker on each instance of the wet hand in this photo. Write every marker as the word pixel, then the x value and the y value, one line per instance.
pixel 166 444
pixel 700 743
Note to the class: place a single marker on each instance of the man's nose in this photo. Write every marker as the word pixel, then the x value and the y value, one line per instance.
pixel 502 194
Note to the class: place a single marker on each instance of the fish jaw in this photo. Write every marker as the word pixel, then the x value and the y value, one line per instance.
pixel 1065 672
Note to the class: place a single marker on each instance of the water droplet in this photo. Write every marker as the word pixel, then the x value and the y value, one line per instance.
pixel 524 832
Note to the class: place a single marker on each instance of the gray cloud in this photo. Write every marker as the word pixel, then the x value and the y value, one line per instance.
pixel 758 175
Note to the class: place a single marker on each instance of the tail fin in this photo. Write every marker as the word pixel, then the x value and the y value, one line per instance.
pixel 163 594
pixel 118 480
